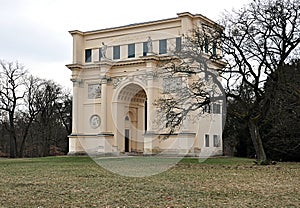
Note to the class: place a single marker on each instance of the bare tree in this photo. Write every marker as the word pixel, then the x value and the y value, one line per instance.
pixel 191 78
pixel 48 116
pixel 64 108
pixel 34 112
pixel 32 107
pixel 258 39
pixel 11 94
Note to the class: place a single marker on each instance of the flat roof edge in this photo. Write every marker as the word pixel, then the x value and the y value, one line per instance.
pixel 132 25
pixel 148 23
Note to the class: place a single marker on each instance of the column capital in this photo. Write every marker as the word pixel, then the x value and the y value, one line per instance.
pixel 76 82
pixel 105 79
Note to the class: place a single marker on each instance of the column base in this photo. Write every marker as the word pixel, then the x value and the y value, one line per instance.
pixel 77 153
pixel 97 144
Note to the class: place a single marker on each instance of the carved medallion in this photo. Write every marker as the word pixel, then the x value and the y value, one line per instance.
pixel 95 121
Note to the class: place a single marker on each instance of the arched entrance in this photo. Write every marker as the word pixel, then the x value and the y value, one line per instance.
pixel 131 118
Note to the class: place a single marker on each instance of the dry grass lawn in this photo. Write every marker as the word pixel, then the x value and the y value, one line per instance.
pixel 80 182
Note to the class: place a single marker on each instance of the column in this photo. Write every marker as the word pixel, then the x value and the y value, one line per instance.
pixel 103 113
pixel 151 65
pixel 150 137
pixel 76 85
pixel 140 127
pixel 74 143
pixel 150 101
pixel 104 66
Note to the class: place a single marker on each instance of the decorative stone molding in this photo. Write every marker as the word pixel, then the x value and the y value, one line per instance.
pixel 77 82
pixel 116 81
pixel 94 91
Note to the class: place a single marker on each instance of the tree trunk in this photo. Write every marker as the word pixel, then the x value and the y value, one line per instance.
pixel 26 131
pixel 12 153
pixel 12 136
pixel 46 146
pixel 257 143
pixel 22 146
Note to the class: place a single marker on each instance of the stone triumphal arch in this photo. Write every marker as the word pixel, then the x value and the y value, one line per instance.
pixel 115 85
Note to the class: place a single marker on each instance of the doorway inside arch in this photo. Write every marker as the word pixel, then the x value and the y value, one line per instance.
pixel 132 103
pixel 127 143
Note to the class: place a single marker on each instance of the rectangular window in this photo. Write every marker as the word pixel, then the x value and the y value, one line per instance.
pixel 131 50
pixel 88 55
pixel 178 44
pixel 206 140
pixel 163 46
pixel 214 49
pixel 216 141
pixel 216 108
pixel 100 54
pixel 206 109
pixel 206 45
pixel 145 48
pixel 116 52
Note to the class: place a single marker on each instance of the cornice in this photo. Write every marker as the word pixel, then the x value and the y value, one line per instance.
pixel 74 66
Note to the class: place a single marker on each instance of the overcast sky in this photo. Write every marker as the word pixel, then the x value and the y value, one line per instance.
pixel 35 32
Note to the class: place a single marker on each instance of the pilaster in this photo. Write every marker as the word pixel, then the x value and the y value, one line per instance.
pixel 103 113
pixel 105 66
pixel 77 83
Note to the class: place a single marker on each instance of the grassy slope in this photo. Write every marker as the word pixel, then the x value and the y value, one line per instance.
pixel 80 182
